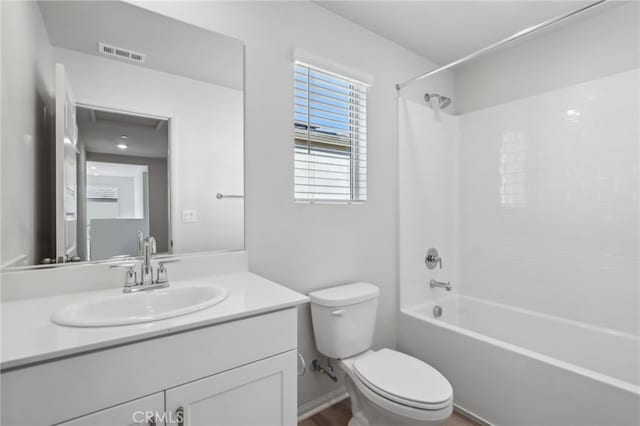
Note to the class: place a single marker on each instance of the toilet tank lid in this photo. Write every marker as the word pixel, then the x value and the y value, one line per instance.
pixel 344 295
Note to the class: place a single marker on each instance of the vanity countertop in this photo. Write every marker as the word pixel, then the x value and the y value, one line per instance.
pixel 29 336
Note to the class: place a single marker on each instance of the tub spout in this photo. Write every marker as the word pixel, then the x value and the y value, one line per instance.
pixel 434 283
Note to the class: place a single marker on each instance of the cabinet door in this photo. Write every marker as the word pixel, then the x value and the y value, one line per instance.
pixel 144 411
pixel 262 393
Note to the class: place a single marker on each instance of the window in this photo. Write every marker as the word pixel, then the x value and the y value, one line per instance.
pixel 103 193
pixel 330 136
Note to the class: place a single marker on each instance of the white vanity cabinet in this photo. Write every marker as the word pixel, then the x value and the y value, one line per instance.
pixel 240 372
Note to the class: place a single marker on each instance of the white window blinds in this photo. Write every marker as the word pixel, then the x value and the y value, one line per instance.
pixel 103 193
pixel 330 129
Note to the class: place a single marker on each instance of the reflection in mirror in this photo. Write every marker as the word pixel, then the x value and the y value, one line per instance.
pixel 116 132
pixel 123 183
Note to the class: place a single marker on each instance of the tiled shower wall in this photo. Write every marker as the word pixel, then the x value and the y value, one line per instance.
pixel 549 202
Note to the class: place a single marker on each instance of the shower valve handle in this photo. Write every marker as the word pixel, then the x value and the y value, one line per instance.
pixel 433 258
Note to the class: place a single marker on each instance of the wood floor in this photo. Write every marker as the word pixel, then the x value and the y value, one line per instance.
pixel 340 413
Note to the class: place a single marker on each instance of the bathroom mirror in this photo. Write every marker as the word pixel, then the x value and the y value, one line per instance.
pixel 122 123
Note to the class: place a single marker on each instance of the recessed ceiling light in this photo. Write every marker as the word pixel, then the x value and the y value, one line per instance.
pixel 122 146
pixel 124 137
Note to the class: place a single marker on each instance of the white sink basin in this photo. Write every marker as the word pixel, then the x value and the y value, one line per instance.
pixel 143 306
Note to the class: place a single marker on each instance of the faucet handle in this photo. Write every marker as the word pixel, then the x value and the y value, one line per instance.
pixel 162 271
pixel 433 258
pixel 162 275
pixel 130 279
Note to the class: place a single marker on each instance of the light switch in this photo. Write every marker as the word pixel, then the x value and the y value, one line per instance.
pixel 189 216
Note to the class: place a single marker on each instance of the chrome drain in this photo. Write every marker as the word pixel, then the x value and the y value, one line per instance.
pixel 437 311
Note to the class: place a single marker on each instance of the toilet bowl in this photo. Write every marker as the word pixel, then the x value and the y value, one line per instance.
pixel 386 387
pixel 390 388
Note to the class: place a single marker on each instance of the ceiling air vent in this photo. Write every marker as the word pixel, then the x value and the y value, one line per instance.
pixel 121 53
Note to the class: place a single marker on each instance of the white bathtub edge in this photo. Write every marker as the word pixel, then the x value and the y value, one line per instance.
pixel 611 381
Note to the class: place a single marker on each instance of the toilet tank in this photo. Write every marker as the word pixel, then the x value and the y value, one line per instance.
pixel 344 319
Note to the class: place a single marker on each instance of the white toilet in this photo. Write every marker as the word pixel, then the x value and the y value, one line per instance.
pixel 387 388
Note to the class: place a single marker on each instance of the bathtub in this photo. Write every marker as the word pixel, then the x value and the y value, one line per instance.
pixel 511 366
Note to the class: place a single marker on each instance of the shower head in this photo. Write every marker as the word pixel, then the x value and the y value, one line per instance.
pixel 443 101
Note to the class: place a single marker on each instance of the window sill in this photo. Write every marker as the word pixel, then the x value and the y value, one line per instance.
pixel 338 202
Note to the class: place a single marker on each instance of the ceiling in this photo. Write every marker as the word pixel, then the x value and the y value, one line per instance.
pixel 102 131
pixel 169 45
pixel 97 168
pixel 115 117
pixel 444 31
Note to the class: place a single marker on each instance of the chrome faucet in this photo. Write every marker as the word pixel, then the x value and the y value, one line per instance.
pixel 146 270
pixel 434 283
pixel 146 281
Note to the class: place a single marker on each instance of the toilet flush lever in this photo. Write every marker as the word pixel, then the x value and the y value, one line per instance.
pixel 337 312
pixel 433 258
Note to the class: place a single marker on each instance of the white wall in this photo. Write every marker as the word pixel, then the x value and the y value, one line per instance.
pixel 206 132
pixel 27 86
pixel 303 246
pixel 550 202
pixel 604 42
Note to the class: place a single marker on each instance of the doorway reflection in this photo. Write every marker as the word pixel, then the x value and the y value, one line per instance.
pixel 123 183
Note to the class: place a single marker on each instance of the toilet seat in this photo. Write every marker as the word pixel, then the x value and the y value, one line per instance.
pixel 403 379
